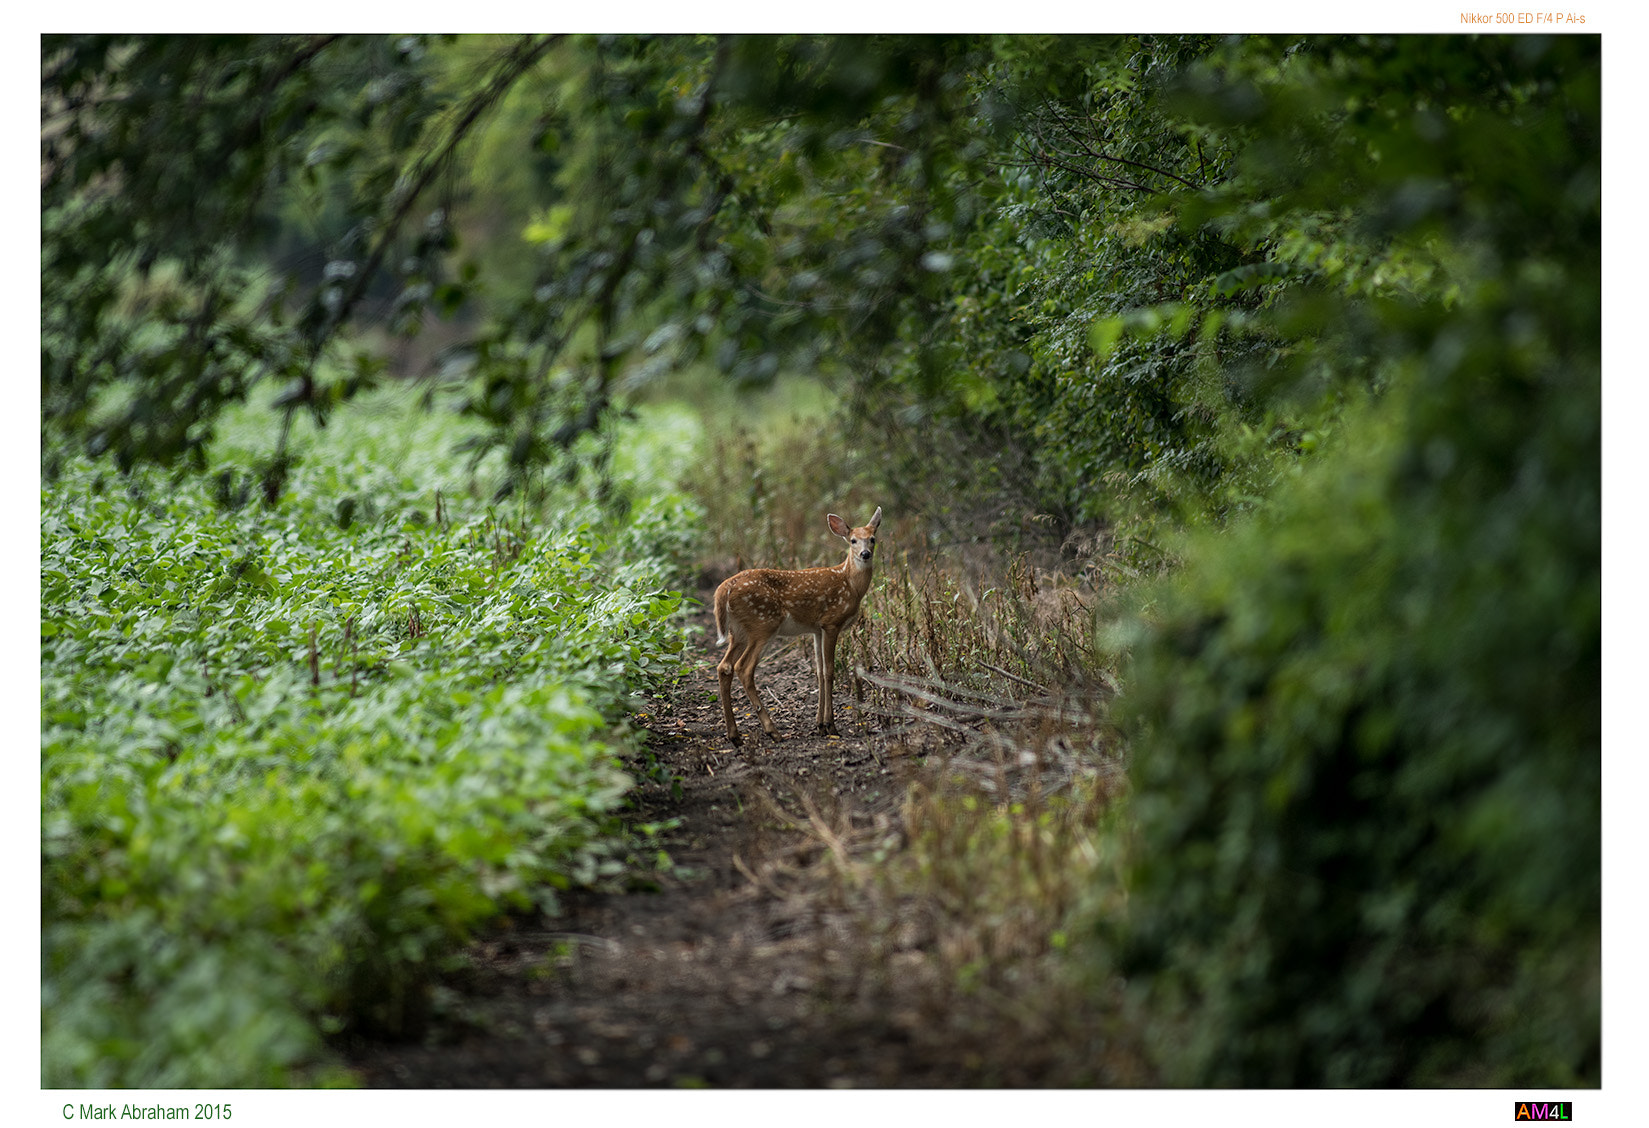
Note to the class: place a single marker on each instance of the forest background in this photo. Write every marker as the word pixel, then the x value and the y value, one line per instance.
pixel 1287 349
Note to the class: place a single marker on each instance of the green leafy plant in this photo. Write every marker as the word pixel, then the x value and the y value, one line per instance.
pixel 306 760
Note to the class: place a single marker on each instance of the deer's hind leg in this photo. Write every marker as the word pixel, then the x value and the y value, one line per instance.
pixel 745 666
pixel 724 674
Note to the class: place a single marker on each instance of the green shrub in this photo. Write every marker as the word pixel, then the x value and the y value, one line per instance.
pixel 1369 784
pixel 1368 720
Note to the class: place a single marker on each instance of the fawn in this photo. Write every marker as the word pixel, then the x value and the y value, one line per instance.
pixel 758 603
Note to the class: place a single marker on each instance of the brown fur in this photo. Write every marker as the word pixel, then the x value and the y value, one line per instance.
pixel 759 603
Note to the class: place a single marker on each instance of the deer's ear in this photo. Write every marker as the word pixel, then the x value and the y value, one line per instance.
pixel 876 518
pixel 837 525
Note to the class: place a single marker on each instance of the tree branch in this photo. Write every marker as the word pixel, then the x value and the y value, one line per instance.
pixel 1068 126
pixel 521 59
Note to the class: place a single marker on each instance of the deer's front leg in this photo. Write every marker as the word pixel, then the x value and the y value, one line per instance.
pixel 816 653
pixel 827 680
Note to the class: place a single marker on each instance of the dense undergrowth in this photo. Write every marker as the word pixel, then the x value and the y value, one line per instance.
pixel 306 750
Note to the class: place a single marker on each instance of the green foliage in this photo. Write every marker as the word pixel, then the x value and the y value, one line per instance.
pixel 1073 250
pixel 1368 720
pixel 737 200
pixel 305 753
pixel 1075 336
pixel 163 159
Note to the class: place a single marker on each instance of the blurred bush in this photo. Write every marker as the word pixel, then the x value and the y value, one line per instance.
pixel 1367 720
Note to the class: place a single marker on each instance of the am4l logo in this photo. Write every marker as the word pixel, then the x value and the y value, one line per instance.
pixel 1544 1110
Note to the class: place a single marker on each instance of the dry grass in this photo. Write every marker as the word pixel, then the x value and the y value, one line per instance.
pixel 961 917
pixel 963 908
pixel 766 495
pixel 997 700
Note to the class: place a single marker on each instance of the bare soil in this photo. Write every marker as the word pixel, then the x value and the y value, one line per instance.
pixel 740 969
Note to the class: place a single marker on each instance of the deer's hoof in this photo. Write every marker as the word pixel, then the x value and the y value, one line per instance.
pixel 735 739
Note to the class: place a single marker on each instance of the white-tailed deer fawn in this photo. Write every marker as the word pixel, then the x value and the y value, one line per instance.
pixel 758 603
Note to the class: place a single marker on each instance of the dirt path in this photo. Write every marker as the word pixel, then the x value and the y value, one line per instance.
pixel 740 970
